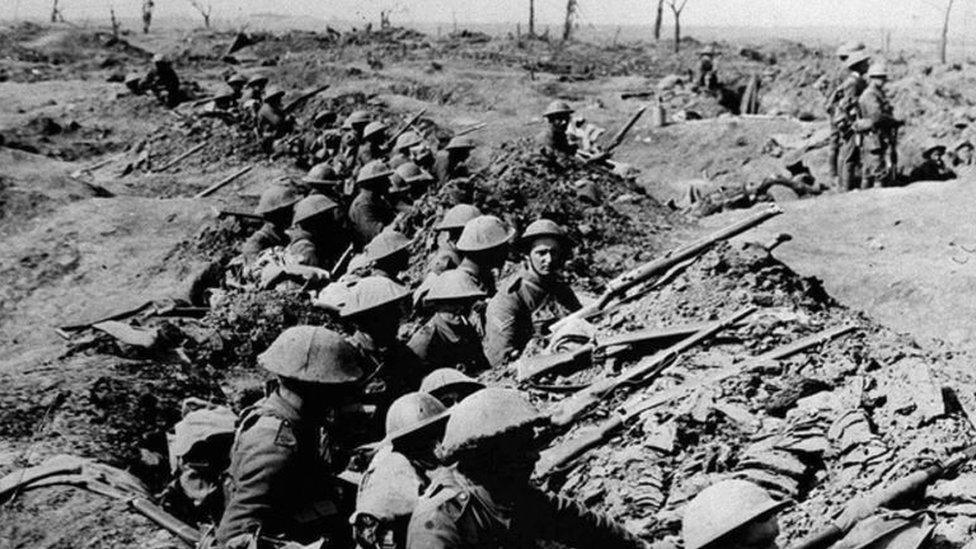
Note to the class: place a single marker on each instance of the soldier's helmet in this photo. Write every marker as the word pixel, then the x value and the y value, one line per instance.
pixel 856 58
pixel 722 508
pixel 389 489
pixel 322 173
pixel 888 531
pixel 278 197
pixel 273 92
pixel 453 285
pixel 931 147
pixel 878 69
pixel 236 78
pixel 373 128
pixel 457 217
pixel 311 206
pixel 323 117
pixel 371 293
pixel 201 426
pixel 543 228
pixel 443 380
pixel 407 139
pixel 257 80
pixel 411 173
pixel 386 244
pixel 485 415
pixel 462 142
pixel 558 108
pixel 373 171
pixel 484 233
pixel 412 414
pixel 312 354
pixel 132 78
pixel 160 59
pixel 356 118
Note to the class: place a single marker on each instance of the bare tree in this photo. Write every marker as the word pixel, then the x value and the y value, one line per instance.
pixel 116 26
pixel 531 18
pixel 56 15
pixel 204 10
pixel 147 7
pixel 658 19
pixel 944 42
pixel 676 8
pixel 571 8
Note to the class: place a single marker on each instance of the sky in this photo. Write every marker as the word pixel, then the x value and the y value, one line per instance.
pixel 873 14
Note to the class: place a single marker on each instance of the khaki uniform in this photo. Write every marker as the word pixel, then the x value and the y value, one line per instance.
pixel 449 341
pixel 456 513
pixel 165 84
pixel 845 114
pixel 930 170
pixel 397 160
pixel 508 319
pixel 443 171
pixel 272 121
pixel 391 373
pixel 280 480
pixel 265 237
pixel 369 213
pixel 305 249
pixel 831 105
pixel 552 141
pixel 879 140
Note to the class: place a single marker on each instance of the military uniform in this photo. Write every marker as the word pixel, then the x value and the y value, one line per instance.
pixel 444 171
pixel 369 213
pixel 397 159
pixel 449 341
pixel 846 113
pixel 930 170
pixel 272 121
pixel 456 513
pixel 266 237
pixel 304 249
pixel 553 141
pixel 878 141
pixel 164 83
pixel 832 106
pixel 508 319
pixel 445 257
pixel 391 373
pixel 280 482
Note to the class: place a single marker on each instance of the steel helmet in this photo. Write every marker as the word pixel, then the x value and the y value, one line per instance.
pixel 385 244
pixel 373 292
pixel 277 197
pixel 543 228
pixel 159 58
pixel 407 139
pixel 446 379
pixel 888 531
pixel 323 117
pixel 558 107
pixel 723 507
pixel 356 118
pixel 200 426
pixel 457 217
pixel 453 285
pixel 847 48
pixel 312 354
pixel 236 78
pixel 311 206
pixel 484 233
pixel 411 173
pixel 413 413
pixel 132 77
pixel 461 142
pixel 372 171
pixel 272 92
pixel 257 80
pixel 373 128
pixel 389 489
pixel 322 173
pixel 857 57
pixel 932 146
pixel 485 415
pixel 878 69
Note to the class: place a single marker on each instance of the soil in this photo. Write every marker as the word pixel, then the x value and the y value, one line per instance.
pixel 86 233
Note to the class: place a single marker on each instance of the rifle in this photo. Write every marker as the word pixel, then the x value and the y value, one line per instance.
pixel 569 409
pixel 472 129
pixel 633 277
pixel 298 101
pixel 181 157
pixel 618 138
pixel 342 262
pixel 240 216
pixel 529 367
pixel 413 120
pixel 865 506
pixel 558 456
pixel 222 183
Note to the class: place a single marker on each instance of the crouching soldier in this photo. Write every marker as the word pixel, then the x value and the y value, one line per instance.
pixel 508 320
pixel 932 167
pixel 284 453
pixel 275 207
pixel 448 231
pixel 450 386
pixel 317 237
pixel 388 254
pixel 370 211
pixel 554 138
pixel 449 339
pixel 484 499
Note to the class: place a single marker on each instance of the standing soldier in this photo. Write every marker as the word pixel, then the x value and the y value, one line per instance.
pixel 275 207
pixel 554 138
pixel 706 78
pixel 880 131
pixel 451 162
pixel 833 103
pixel 370 211
pixel 508 320
pixel 284 453
pixel 484 499
pixel 845 118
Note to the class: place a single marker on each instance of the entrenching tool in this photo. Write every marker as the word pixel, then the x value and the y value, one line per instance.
pixel 568 410
pixel 562 454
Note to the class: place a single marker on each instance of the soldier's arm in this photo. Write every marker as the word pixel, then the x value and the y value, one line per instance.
pixel 565 521
pixel 501 324
pixel 303 252
pixel 433 527
pixel 256 242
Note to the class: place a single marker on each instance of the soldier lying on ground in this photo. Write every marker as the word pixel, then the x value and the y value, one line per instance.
pixel 932 167
pixel 509 317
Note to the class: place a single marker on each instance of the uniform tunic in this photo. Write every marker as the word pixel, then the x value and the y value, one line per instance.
pixel 369 213
pixel 266 237
pixel 508 319
pixel 456 513
pixel 876 114
pixel 449 341
pixel 552 141
pixel 280 480
pixel 443 171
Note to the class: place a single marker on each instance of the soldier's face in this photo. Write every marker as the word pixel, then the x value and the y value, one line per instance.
pixel 559 122
pixel 546 256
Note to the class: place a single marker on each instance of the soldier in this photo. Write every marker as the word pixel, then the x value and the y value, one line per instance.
pixel 554 138
pixel 836 94
pixel 879 128
pixel 448 339
pixel 450 163
pixel 317 236
pixel 409 182
pixel 275 207
pixel 370 211
pixel 373 143
pixel 401 149
pixel 255 88
pixel 375 307
pixel 389 254
pixel 483 246
pixel 706 78
pixel 508 320
pixel 450 386
pixel 932 167
pixel 134 83
pixel 273 122
pixel 484 499
pixel 962 154
pixel 422 155
pixel 163 82
pixel 236 82
pixel 284 454
pixel 845 118
pixel 731 513
pixel 322 179
pixel 448 231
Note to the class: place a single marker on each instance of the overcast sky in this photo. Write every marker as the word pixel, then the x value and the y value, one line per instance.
pixel 872 14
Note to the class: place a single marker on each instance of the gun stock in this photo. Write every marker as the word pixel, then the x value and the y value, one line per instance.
pixel 528 367
pixel 298 101
pixel 552 458
pixel 239 215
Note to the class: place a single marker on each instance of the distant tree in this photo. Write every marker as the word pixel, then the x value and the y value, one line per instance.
pixel 658 19
pixel 676 8
pixel 944 42
pixel 116 26
pixel 531 18
pixel 571 8
pixel 147 7
pixel 56 15
pixel 205 11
